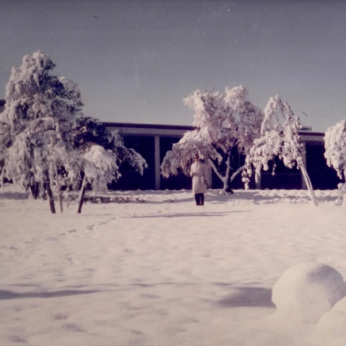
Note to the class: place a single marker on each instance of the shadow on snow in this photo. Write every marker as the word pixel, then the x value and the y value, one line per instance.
pixel 248 296
pixel 239 296
pixel 197 214
pixel 4 295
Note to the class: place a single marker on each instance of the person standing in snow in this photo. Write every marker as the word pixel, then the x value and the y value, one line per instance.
pixel 199 176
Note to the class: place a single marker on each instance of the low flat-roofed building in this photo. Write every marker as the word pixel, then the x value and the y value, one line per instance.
pixel 152 141
pixel 2 105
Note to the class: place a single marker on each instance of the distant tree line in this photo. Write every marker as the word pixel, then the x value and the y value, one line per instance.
pixel 47 144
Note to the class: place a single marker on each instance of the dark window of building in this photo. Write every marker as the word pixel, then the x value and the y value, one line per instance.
pixel 130 179
pixel 278 176
pixel 237 160
pixel 177 182
pixel 322 177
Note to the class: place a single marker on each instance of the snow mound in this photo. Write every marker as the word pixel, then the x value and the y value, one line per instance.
pixel 307 291
pixel 330 329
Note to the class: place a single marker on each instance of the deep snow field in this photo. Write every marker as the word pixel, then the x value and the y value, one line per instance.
pixel 151 268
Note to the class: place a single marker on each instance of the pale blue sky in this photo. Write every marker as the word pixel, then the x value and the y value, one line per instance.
pixel 135 60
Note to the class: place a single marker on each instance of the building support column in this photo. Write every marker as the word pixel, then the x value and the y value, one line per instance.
pixel 304 187
pixel 157 163
pixel 258 182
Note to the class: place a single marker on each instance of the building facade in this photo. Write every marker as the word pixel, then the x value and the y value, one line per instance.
pixel 153 141
pixel 2 105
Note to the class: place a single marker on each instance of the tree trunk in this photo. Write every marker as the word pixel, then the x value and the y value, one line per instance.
pixel 227 183
pixel 35 190
pixel 308 184
pixel 226 180
pixel 58 187
pixel 50 197
pixel 2 178
pixel 239 170
pixel 218 174
pixel 81 195
pixel 60 202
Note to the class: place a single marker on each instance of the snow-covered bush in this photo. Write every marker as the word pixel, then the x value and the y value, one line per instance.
pixel 225 123
pixel 90 132
pixel 100 167
pixel 103 152
pixel 330 329
pixel 335 148
pixel 307 291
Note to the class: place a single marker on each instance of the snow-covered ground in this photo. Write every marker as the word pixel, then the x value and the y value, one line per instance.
pixel 151 268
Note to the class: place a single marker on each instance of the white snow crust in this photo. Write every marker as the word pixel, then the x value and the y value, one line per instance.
pixel 151 268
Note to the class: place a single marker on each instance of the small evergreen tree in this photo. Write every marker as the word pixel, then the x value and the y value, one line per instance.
pixel 103 152
pixel 49 143
pixel 40 109
pixel 90 131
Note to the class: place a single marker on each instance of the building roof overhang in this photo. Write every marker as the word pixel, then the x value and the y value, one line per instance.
pixel 178 130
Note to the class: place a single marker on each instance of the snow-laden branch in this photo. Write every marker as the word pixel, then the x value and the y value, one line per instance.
pixel 335 148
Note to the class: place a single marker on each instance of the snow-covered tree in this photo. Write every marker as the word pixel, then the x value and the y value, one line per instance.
pixel 103 152
pixel 50 143
pixel 226 123
pixel 279 139
pixel 90 131
pixel 40 109
pixel 335 148
pixel 99 169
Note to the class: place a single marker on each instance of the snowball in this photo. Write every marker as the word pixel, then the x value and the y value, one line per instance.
pixel 307 291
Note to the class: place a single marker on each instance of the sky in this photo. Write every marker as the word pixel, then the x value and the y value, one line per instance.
pixel 136 60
